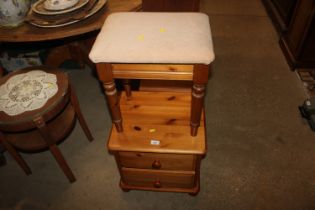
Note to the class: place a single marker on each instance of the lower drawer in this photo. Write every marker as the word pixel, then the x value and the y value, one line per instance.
pixel 158 179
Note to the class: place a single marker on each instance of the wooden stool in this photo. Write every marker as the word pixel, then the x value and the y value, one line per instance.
pixel 158 148
pixel 161 46
pixel 38 109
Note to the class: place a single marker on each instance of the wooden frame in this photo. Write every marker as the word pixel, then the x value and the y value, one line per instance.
pixel 198 73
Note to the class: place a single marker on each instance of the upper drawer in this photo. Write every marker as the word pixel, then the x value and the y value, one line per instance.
pixel 157 161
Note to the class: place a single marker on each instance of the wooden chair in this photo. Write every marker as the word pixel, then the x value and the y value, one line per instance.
pixel 160 46
pixel 38 109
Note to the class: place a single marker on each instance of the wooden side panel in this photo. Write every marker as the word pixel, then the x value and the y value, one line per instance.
pixel 157 99
pixel 299 24
pixel 58 128
pixel 308 51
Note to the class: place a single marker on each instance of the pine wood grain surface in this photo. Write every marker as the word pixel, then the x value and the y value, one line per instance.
pixel 161 116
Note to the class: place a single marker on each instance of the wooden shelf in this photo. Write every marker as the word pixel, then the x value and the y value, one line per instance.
pixel 157 116
pixel 156 151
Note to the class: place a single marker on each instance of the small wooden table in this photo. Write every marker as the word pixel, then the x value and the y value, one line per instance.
pixel 156 151
pixel 44 125
pixel 71 35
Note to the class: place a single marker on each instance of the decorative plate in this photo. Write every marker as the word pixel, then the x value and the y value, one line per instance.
pixel 59 4
pixel 52 23
pixel 39 8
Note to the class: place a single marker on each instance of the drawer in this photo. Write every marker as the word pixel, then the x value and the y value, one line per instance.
pixel 158 178
pixel 157 161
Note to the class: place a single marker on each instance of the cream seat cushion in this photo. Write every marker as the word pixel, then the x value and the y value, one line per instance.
pixel 146 37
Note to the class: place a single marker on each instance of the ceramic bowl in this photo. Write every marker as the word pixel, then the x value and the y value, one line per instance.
pixel 59 4
pixel 13 12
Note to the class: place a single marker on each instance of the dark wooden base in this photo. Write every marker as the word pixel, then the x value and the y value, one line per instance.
pixel 3 161
pixel 76 51
pixel 275 16
pixel 293 63
pixel 287 53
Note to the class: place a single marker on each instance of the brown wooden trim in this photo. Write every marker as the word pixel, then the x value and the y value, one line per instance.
pixel 105 75
pixel 200 79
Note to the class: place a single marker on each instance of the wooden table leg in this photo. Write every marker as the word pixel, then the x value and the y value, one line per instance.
pixel 76 105
pixel 105 75
pixel 15 154
pixel 77 51
pixel 3 161
pixel 127 87
pixel 41 125
pixel 200 79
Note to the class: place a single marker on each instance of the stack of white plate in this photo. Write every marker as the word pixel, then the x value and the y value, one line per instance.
pixel 56 13
pixel 54 7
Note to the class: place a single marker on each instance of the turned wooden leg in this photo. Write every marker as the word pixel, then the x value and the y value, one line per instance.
pixel 15 154
pixel 105 75
pixel 127 87
pixel 76 105
pixel 62 162
pixel 112 99
pixel 40 124
pixel 200 79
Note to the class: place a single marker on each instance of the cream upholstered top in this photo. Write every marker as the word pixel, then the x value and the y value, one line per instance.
pixel 146 37
pixel 27 92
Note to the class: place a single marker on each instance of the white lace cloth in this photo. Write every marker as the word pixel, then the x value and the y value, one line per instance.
pixel 27 92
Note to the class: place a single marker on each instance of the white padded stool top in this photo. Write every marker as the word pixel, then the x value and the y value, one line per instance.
pixel 150 37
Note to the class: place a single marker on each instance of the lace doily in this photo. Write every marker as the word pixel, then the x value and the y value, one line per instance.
pixel 27 92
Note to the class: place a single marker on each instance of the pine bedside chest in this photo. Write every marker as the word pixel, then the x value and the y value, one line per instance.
pixel 159 137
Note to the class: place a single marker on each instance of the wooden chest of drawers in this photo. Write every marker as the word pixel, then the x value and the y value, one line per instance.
pixel 156 151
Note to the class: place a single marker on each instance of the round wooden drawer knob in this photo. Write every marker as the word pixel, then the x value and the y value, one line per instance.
pixel 157 184
pixel 156 164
